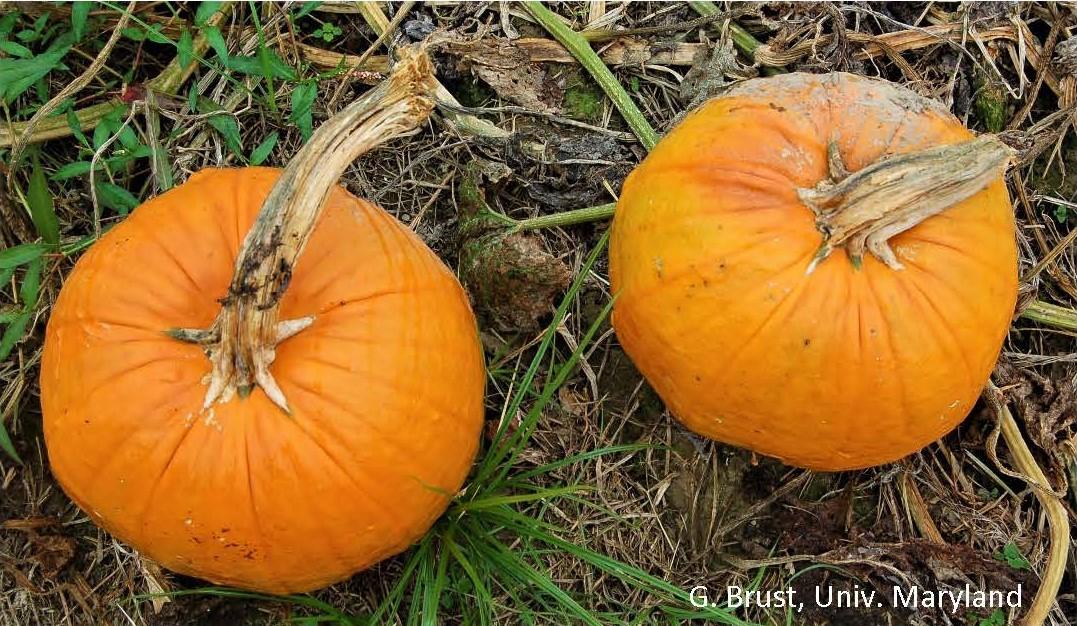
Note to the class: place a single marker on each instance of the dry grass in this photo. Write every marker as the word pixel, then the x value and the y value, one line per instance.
pixel 689 511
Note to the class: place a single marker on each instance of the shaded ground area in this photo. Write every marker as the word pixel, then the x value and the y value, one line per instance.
pixel 531 134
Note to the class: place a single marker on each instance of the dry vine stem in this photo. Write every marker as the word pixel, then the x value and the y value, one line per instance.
pixel 241 343
pixel 1057 518
pixel 862 211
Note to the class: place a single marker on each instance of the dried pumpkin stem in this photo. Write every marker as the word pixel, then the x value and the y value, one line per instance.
pixel 241 343
pixel 1054 509
pixel 863 210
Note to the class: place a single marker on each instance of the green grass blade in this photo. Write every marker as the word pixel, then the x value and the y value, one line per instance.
pixel 510 563
pixel 579 458
pixel 433 585
pixel 627 573
pixel 550 493
pixel 524 431
pixel 485 598
pixel 309 602
pixel 742 39
pixel 390 605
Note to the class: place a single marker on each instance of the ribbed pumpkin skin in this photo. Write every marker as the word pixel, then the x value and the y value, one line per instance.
pixel 386 391
pixel 838 369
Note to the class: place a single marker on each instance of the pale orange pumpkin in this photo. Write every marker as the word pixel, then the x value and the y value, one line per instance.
pixel 380 388
pixel 788 283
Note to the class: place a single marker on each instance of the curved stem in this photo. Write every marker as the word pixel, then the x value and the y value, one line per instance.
pixel 567 218
pixel 242 341
pixel 863 210
pixel 1057 519
pixel 465 123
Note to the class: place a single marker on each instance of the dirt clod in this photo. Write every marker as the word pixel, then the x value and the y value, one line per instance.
pixel 51 549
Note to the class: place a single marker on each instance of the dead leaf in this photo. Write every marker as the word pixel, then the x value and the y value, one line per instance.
pixel 156 584
pixel 50 549
pixel 508 69
pixel 574 402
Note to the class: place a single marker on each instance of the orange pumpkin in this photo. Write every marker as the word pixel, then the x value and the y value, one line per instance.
pixel 821 268
pixel 383 389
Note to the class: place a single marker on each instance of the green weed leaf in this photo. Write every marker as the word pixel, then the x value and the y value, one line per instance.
pixel 205 11
pixel 217 42
pixel 18 75
pixel 129 138
pixel 227 126
pixel 76 128
pixel 79 12
pixel 42 211
pixel 71 170
pixel 116 198
pixel 302 103
pixel 185 48
pixel 306 9
pixel 266 64
pixel 275 66
pixel 100 135
pixel 328 32
pixel 13 333
pixel 15 49
pixel 31 284
pixel 6 445
pixel 153 33
pixel 262 151
pixel 20 255
pixel 1012 556
pixel 7 23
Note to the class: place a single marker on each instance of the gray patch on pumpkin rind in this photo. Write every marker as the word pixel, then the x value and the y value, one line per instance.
pixel 905 100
